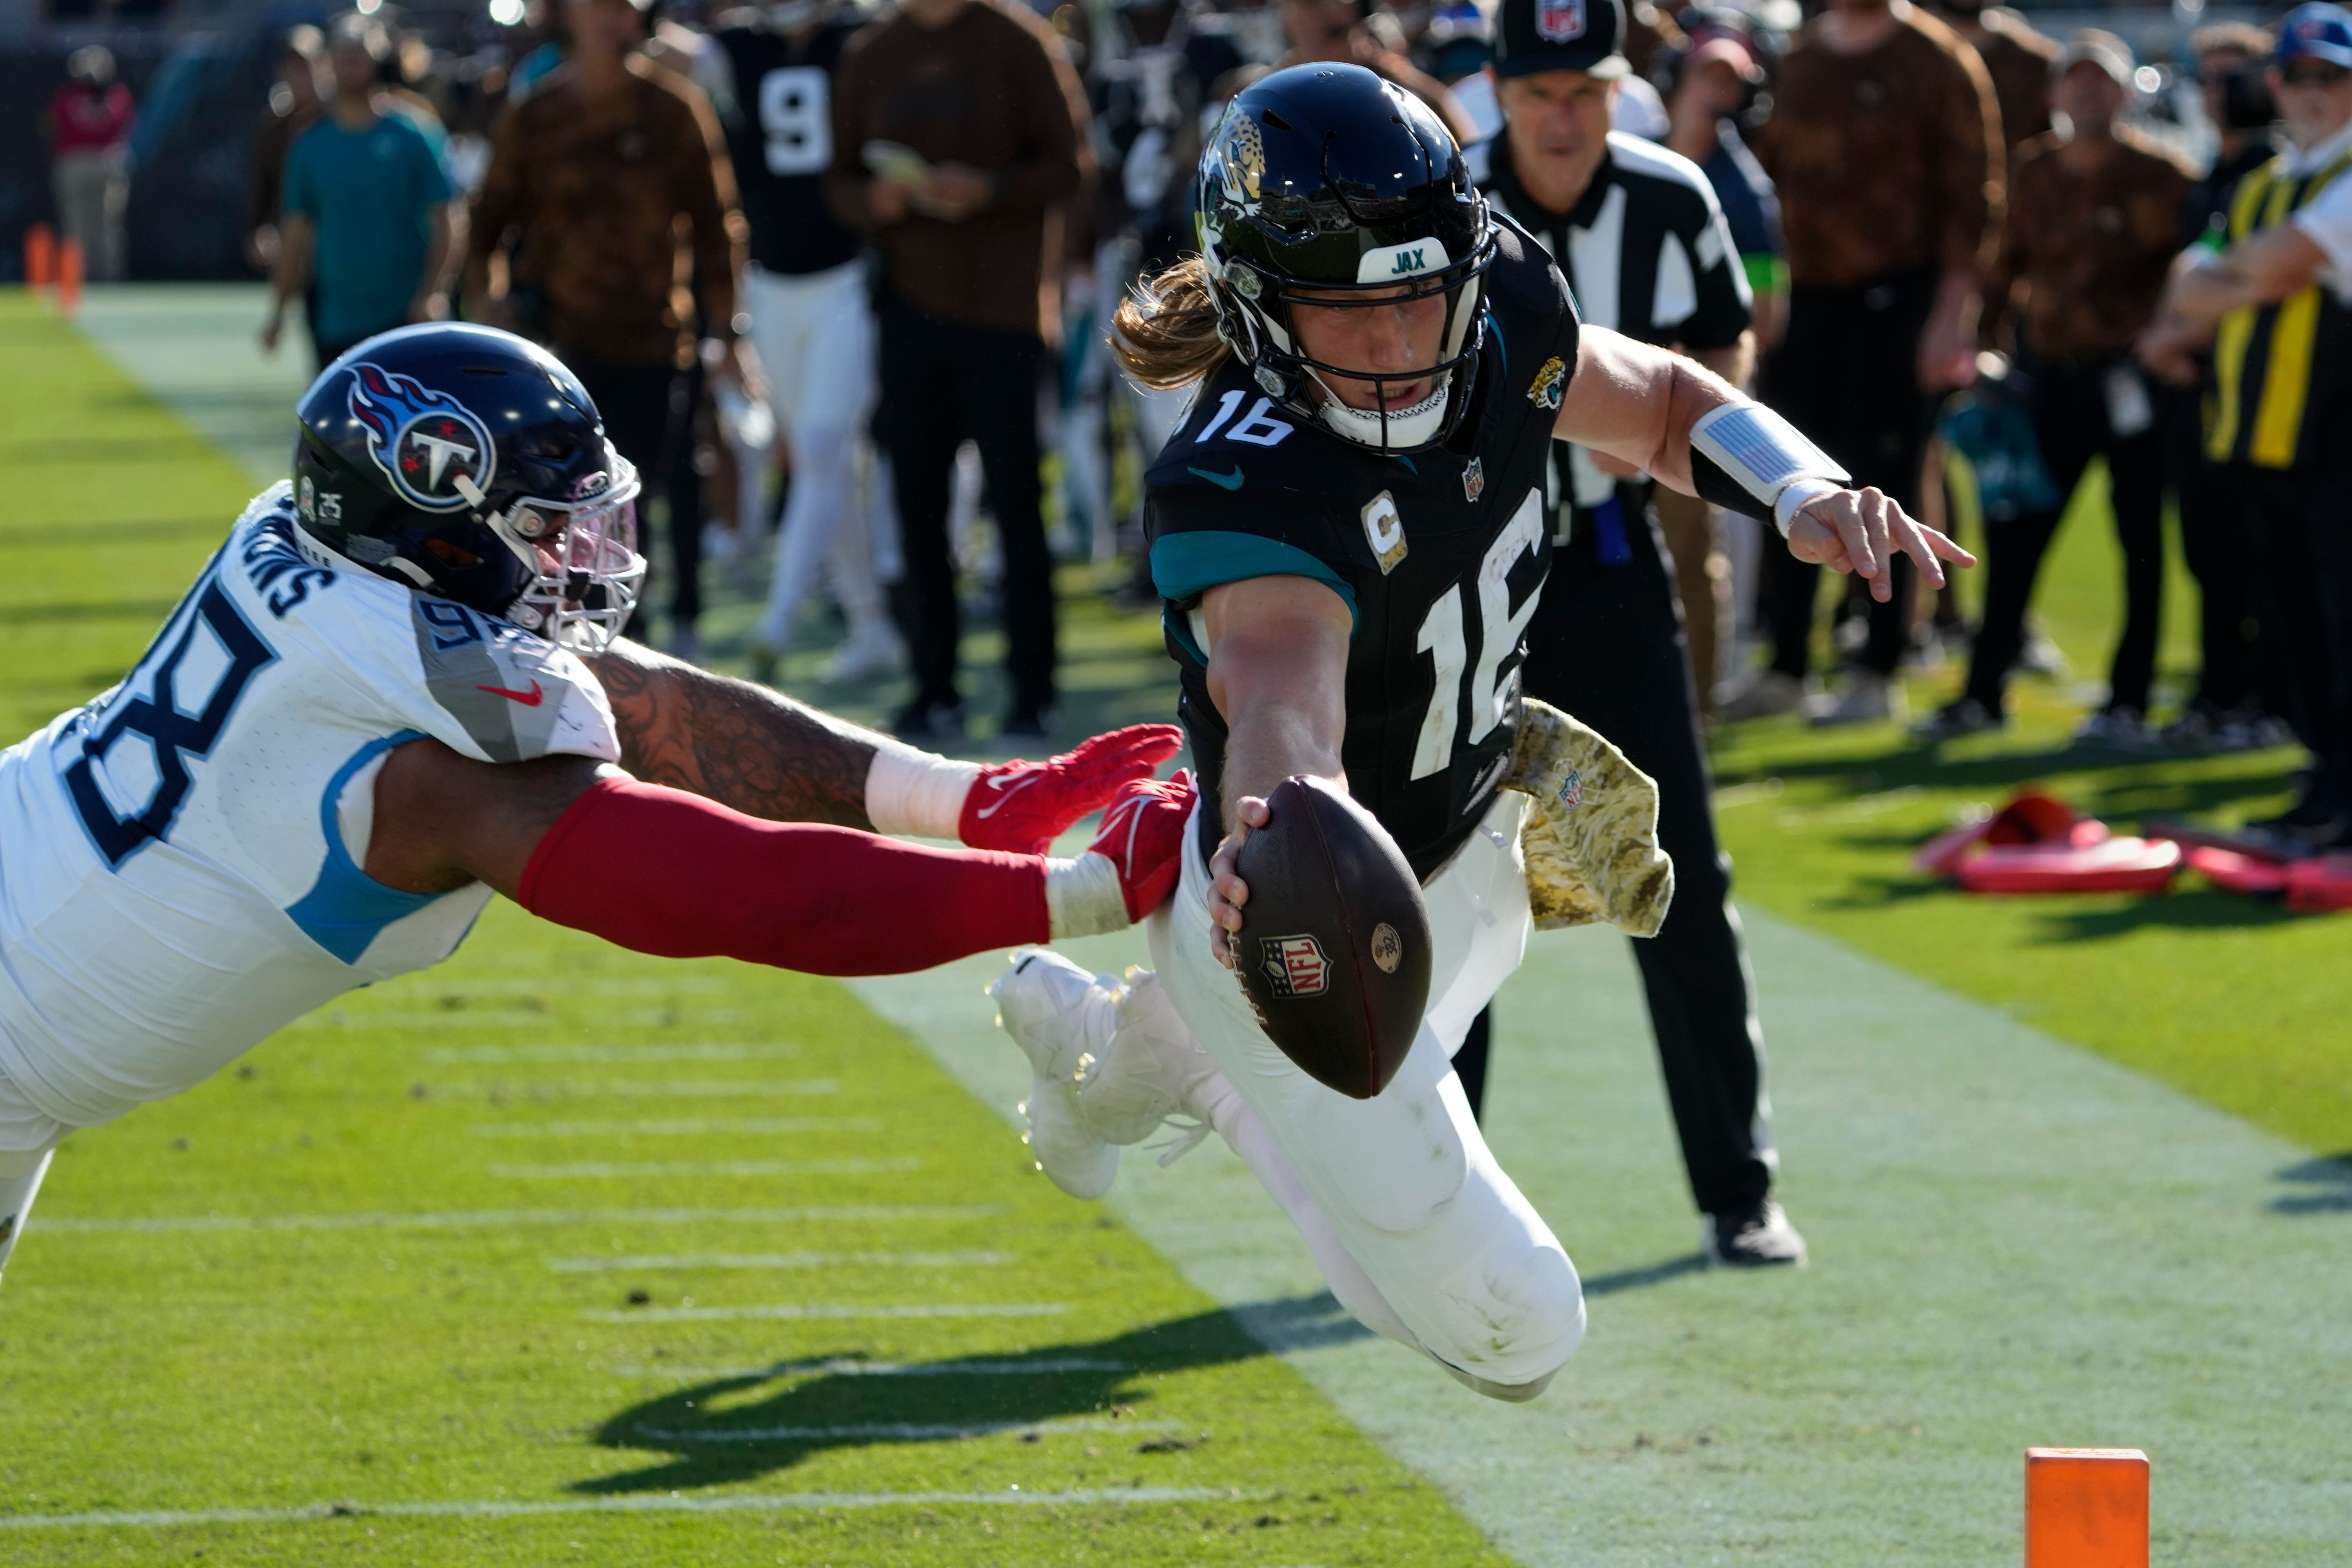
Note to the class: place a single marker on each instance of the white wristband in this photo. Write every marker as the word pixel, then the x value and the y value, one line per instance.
pixel 1796 497
pixel 917 794
pixel 1082 896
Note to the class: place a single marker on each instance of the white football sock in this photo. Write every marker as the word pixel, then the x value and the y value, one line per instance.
pixel 20 1179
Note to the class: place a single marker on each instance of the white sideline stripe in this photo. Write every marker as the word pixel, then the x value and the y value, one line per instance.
pixel 677 1128
pixel 796 1311
pixel 626 1089
pixel 784 1261
pixel 513 1056
pixel 908 1431
pixel 498 1219
pixel 843 1367
pixel 773 1502
pixel 595 1170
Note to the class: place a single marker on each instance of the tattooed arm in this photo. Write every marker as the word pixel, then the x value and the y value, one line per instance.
pixel 741 745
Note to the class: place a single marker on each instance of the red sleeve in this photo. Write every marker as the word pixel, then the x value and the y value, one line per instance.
pixel 661 871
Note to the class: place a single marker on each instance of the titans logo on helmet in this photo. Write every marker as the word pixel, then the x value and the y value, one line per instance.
pixel 429 444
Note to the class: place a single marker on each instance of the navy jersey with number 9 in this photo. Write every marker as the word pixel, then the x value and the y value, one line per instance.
pixel 1440 554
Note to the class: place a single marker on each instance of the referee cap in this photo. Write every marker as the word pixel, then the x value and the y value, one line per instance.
pixel 1586 35
pixel 2320 32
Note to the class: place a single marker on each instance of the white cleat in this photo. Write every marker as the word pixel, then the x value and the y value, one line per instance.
pixel 1149 1069
pixel 1056 1011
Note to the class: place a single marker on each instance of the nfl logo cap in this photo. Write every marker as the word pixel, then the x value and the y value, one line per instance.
pixel 2319 32
pixel 1585 36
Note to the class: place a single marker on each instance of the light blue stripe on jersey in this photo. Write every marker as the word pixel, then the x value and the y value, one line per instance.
pixel 346 907
pixel 1186 565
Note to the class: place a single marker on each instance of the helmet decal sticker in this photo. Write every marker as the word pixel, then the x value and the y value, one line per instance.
pixel 1242 158
pixel 432 446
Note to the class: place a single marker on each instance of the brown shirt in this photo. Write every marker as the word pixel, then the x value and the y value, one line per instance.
pixel 1886 161
pixel 993 90
pixel 2091 248
pixel 606 192
pixel 2018 59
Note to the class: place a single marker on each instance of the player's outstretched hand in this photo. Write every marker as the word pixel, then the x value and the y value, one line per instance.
pixel 1862 532
pixel 1227 892
pixel 1020 806
pixel 1143 834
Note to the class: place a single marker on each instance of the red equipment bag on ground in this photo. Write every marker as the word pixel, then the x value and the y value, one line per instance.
pixel 2320 885
pixel 2235 873
pixel 2039 844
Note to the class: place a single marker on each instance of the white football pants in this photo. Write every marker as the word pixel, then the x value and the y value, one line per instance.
pixel 815 335
pixel 1402 1183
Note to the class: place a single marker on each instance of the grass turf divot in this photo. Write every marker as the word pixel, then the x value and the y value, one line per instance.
pixel 305 1282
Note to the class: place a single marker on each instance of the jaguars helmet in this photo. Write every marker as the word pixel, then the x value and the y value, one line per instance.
pixel 469 464
pixel 1324 182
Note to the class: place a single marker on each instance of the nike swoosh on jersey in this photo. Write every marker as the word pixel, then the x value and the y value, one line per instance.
pixel 528 699
pixel 1232 481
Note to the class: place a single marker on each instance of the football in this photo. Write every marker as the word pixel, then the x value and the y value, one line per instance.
pixel 1334 949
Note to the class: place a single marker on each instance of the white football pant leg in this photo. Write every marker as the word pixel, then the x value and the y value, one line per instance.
pixel 822 386
pixel 28 1139
pixel 1403 1180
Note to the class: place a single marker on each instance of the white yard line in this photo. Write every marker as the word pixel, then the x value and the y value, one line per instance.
pixel 843 1367
pixel 631 1089
pixel 518 1056
pixel 598 1171
pixel 701 1127
pixel 784 1261
pixel 896 1431
pixel 797 1312
pixel 508 1219
pixel 117 1519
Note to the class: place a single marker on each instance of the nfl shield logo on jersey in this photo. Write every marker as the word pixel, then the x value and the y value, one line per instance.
pixel 1560 21
pixel 1296 965
pixel 432 449
pixel 1474 479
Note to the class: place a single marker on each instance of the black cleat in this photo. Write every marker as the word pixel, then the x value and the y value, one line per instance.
pixel 1760 1238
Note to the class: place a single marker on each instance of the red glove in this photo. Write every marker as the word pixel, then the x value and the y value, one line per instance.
pixel 1143 835
pixel 1023 806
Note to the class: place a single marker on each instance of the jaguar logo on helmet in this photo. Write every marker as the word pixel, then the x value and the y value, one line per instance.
pixel 1560 21
pixel 1242 161
pixel 436 453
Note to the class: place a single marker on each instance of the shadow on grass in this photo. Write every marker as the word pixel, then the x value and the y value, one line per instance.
pixel 1643 1278
pixel 2329 1183
pixel 2205 909
pixel 1009 1397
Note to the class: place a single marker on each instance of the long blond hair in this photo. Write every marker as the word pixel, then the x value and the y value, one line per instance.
pixel 1165 332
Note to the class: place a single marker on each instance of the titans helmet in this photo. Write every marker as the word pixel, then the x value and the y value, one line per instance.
pixel 469 464
pixel 1327 186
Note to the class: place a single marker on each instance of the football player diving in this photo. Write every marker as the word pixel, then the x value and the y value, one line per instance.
pixel 1349 532
pixel 395 690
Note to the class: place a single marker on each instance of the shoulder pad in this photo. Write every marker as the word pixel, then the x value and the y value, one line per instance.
pixel 515 695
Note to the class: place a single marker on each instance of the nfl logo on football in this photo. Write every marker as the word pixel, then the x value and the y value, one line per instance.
pixel 1560 21
pixel 1296 965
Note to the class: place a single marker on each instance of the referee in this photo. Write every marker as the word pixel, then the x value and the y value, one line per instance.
pixel 1645 250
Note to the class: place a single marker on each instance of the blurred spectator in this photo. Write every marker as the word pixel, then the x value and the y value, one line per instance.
pixel 2240 687
pixel 1884 144
pixel 294 105
pixel 959 130
pixel 2017 57
pixel 1342 31
pixel 369 219
pixel 1714 82
pixel 89 126
pixel 811 317
pixel 600 170
pixel 2091 228
pixel 2272 293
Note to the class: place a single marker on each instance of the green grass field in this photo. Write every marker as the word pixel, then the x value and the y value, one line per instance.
pixel 560 1254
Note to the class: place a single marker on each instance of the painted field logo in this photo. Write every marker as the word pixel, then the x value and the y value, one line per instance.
pixel 1388 948
pixel 1296 965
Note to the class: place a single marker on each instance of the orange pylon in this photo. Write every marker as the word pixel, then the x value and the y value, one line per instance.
pixel 69 277
pixel 40 256
pixel 2085 1508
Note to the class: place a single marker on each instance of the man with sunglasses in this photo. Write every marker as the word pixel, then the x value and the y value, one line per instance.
pixel 2271 291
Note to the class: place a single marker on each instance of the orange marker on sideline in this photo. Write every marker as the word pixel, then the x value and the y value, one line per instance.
pixel 69 277
pixel 2085 1508
pixel 40 256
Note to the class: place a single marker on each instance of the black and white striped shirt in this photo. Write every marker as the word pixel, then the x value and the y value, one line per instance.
pixel 1646 252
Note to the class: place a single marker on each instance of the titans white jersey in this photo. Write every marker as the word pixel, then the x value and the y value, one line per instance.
pixel 180 860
